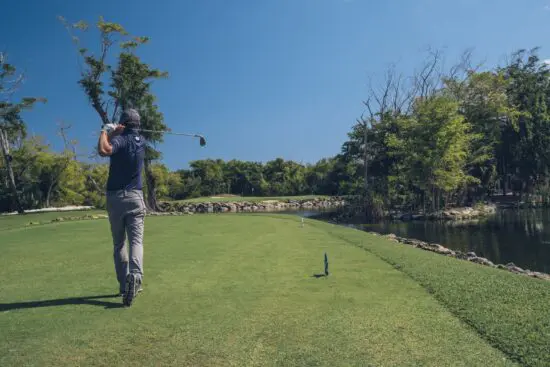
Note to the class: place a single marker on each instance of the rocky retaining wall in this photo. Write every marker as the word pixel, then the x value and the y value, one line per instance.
pixel 353 210
pixel 246 206
pixel 69 219
pixel 450 214
pixel 469 256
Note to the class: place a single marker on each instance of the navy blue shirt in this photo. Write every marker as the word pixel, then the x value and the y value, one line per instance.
pixel 126 162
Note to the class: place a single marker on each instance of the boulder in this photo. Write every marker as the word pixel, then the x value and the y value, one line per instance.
pixel 514 269
pixel 391 237
pixel 536 274
pixel 482 261
pixel 446 251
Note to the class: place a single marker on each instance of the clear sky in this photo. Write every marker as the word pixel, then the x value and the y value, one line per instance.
pixel 261 79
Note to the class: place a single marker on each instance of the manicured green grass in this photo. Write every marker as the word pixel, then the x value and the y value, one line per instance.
pixel 17 221
pixel 512 312
pixel 253 199
pixel 236 290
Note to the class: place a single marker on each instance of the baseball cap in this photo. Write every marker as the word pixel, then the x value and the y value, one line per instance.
pixel 129 117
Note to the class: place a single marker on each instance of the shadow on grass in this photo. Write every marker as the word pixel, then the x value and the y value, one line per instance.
pixel 322 275
pixel 91 300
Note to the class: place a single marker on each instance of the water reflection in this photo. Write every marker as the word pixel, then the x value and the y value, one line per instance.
pixel 521 237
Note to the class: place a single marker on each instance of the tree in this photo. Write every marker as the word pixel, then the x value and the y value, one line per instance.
pixel 129 86
pixel 12 125
pixel 483 101
pixel 526 143
pixel 54 167
pixel 211 175
pixel 434 143
pixel 395 96
pixel 93 186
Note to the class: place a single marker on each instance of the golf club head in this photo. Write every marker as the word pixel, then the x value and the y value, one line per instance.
pixel 202 141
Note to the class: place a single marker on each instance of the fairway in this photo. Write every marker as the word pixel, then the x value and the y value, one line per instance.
pixel 229 290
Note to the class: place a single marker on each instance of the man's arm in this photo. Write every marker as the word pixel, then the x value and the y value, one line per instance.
pixel 104 145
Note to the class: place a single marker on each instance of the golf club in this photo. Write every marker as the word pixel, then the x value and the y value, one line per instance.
pixel 202 140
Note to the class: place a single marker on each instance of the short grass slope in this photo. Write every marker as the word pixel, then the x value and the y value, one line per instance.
pixel 235 290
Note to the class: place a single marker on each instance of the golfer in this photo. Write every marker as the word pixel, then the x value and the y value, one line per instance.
pixel 125 148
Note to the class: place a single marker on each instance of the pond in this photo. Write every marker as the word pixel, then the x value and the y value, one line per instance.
pixel 518 236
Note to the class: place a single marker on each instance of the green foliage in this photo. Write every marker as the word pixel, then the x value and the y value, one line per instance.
pixel 95 184
pixel 474 136
pixel 128 79
pixel 12 127
pixel 55 178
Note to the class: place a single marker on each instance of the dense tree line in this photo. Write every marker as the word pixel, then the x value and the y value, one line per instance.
pixel 456 137
pixel 47 178
pixel 437 138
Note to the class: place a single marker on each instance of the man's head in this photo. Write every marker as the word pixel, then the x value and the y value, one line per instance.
pixel 130 118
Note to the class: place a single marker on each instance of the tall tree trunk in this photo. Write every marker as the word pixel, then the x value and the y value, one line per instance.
pixel 504 178
pixel 49 194
pixel 11 178
pixel 424 201
pixel 151 198
pixel 366 159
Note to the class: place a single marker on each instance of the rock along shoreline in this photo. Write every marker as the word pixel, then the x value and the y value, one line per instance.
pixel 174 208
pixel 469 256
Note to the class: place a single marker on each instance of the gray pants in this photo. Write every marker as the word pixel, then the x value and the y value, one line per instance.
pixel 126 211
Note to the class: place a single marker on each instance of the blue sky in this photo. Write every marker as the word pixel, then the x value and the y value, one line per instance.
pixel 261 79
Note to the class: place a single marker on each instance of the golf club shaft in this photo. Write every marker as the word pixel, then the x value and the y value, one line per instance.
pixel 169 132
pixel 202 139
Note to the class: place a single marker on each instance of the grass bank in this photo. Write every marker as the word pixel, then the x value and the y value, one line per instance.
pixel 238 290
pixel 17 220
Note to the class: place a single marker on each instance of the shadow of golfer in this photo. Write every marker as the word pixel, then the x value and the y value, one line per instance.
pixel 319 275
pixel 91 300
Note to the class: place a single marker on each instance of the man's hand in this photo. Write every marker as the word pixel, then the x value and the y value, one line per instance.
pixel 118 130
pixel 108 131
pixel 113 129
pixel 108 128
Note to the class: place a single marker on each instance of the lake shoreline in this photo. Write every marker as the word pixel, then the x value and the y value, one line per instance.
pixel 517 239
pixel 350 212
pixel 468 256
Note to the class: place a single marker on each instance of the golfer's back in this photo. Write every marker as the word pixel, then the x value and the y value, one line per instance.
pixel 126 162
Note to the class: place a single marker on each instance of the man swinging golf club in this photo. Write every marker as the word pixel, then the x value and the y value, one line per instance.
pixel 125 148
